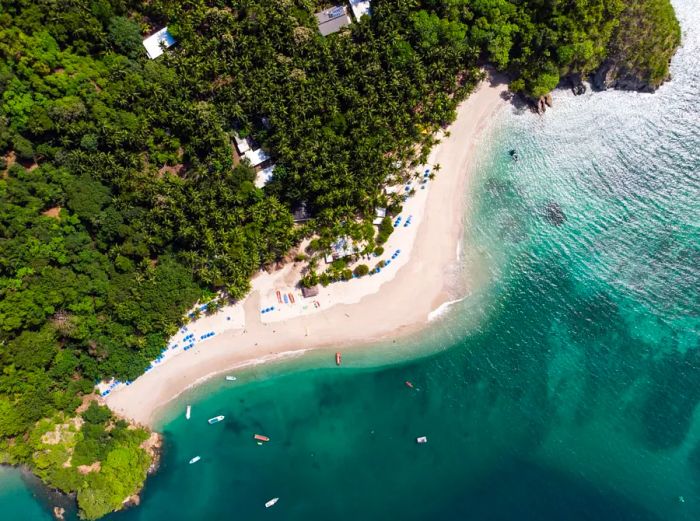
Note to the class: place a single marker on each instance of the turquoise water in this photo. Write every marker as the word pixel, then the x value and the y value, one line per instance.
pixel 565 388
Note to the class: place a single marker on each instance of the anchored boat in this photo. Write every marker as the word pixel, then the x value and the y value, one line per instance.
pixel 187 413
pixel 271 502
pixel 422 439
pixel 195 460
pixel 215 419
pixel 260 437
pixel 338 358
pixel 231 378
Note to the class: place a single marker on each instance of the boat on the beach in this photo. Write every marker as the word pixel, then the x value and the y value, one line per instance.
pixel 422 439
pixel 231 378
pixel 215 419
pixel 271 502
pixel 260 437
pixel 188 413
pixel 338 358
pixel 195 460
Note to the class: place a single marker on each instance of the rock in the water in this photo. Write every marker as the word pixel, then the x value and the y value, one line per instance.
pixel 548 100
pixel 577 86
pixel 541 105
pixel 554 214
pixel 58 512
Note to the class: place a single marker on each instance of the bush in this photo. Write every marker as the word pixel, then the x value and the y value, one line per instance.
pixel 96 414
pixel 346 274
pixel 339 264
pixel 379 250
pixel 362 270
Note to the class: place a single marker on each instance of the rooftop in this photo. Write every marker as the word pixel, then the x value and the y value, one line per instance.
pixel 242 144
pixel 332 20
pixel 153 43
pixel 264 176
pixel 359 8
pixel 256 157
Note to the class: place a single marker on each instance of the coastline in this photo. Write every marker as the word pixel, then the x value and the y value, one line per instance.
pixel 397 302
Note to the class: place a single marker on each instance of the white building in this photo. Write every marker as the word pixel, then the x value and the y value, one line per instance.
pixel 256 157
pixel 264 176
pixel 242 144
pixel 359 8
pixel 332 20
pixel 341 248
pixel 155 43
pixel 379 213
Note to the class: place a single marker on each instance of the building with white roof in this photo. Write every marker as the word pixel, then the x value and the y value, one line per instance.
pixel 341 248
pixel 359 8
pixel 242 144
pixel 264 176
pixel 155 43
pixel 332 20
pixel 256 157
pixel 379 214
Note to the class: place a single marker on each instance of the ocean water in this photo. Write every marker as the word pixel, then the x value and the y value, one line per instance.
pixel 564 388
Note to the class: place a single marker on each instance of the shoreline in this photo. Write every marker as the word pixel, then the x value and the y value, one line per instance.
pixel 397 302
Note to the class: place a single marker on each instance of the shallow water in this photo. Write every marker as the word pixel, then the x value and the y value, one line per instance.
pixel 566 389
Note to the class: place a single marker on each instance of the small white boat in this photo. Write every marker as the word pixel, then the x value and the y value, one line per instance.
pixel 195 460
pixel 231 378
pixel 271 502
pixel 189 412
pixel 422 439
pixel 215 419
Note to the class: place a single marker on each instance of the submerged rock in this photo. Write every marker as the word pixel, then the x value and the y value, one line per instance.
pixel 555 214
pixel 59 512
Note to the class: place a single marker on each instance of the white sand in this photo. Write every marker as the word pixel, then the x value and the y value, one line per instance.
pixel 414 288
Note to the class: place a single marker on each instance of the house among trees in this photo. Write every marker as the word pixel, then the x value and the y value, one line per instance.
pixel 158 42
pixel 242 144
pixel 379 214
pixel 332 20
pixel 264 176
pixel 256 157
pixel 341 248
pixel 359 8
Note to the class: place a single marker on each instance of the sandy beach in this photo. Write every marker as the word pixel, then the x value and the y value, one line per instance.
pixel 400 300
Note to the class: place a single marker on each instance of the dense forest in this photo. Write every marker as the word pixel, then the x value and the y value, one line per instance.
pixel 120 201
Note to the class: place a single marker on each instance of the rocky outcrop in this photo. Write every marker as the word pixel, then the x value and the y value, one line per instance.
pixel 611 75
pixel 577 85
pixel 543 102
pixel 132 501
pixel 153 446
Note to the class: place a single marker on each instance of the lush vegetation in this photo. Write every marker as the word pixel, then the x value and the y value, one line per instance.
pixel 122 204
pixel 93 455
pixel 644 42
